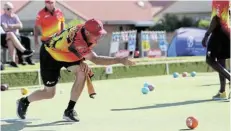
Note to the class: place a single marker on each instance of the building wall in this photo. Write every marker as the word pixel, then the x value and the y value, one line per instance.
pixel 28 14
pixel 191 8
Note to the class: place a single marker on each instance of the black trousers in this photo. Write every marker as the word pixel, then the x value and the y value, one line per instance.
pixel 25 41
pixel 217 52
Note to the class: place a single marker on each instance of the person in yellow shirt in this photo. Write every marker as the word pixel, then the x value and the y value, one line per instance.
pixel 218 47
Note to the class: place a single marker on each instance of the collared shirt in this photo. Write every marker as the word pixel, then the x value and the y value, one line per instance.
pixel 50 23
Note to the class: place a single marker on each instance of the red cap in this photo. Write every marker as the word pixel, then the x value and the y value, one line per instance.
pixel 95 27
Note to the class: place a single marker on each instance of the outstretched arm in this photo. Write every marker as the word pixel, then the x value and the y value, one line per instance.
pixel 101 60
pixel 105 60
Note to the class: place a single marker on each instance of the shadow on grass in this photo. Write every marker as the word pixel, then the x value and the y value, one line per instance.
pixel 13 124
pixel 164 105
pixel 211 85
pixel 55 123
pixel 17 124
pixel 216 84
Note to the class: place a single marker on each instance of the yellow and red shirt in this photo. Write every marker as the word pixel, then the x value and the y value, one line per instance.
pixel 221 9
pixel 58 45
pixel 50 23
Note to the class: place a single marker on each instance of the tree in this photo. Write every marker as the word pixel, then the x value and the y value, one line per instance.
pixel 187 22
pixel 203 24
pixel 169 23
pixel 73 23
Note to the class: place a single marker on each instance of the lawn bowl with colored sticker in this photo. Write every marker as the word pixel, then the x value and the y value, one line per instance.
pixel 193 74
pixel 151 87
pixel 175 75
pixel 145 90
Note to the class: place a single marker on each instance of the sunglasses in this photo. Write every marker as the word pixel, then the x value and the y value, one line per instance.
pixel 8 9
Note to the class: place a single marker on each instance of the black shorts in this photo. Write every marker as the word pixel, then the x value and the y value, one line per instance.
pixel 218 45
pixel 50 68
pixel 3 41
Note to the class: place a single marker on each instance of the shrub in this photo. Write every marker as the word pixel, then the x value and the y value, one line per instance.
pixel 203 24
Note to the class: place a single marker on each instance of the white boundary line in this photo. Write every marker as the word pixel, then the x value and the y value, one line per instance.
pixel 117 65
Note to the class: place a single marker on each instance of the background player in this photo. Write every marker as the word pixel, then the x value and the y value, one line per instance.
pixel 49 21
pixel 218 49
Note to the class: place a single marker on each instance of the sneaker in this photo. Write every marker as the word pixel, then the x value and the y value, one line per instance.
pixel 22 63
pixel 27 53
pixel 21 109
pixel 29 61
pixel 220 96
pixel 71 115
pixel 13 64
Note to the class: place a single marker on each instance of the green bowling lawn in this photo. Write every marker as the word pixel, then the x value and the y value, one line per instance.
pixel 120 106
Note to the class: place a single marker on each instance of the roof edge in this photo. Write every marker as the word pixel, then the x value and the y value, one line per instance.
pixel 129 22
pixel 27 3
pixel 72 10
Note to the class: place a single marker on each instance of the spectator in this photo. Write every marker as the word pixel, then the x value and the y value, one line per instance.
pixel 43 24
pixel 10 41
pixel 11 23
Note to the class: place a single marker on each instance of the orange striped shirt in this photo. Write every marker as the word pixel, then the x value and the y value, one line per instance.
pixel 49 23
pixel 58 45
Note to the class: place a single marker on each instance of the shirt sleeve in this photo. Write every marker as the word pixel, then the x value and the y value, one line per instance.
pixel 62 18
pixel 82 50
pixel 38 20
pixel 18 21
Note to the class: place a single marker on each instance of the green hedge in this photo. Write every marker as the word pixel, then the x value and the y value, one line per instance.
pixel 20 78
pixel 16 79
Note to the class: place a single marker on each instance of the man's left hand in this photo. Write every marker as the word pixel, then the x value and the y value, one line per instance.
pixel 85 68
